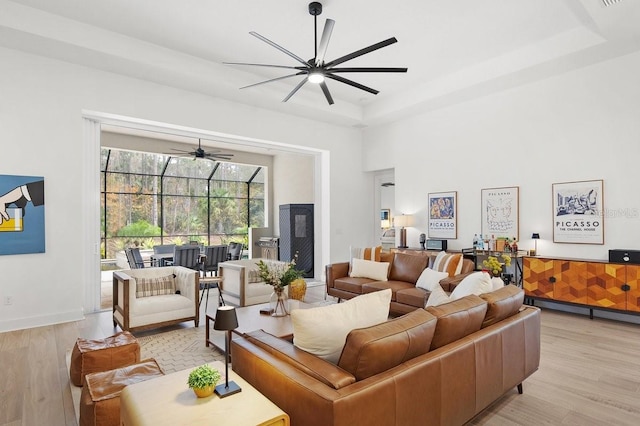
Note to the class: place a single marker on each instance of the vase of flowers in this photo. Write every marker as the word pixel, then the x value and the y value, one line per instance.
pixel 279 275
pixel 494 266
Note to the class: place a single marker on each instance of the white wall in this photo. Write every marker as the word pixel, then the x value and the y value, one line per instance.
pixel 581 125
pixel 41 134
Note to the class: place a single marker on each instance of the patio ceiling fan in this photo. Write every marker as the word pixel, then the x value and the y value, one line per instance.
pixel 200 153
pixel 316 70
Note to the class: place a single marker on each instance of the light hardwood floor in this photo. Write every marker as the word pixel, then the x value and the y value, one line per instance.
pixel 589 374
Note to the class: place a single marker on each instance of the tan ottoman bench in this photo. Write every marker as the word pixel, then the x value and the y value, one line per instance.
pixel 91 356
pixel 100 399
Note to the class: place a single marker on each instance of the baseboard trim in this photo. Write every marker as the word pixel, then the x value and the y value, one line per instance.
pixel 41 321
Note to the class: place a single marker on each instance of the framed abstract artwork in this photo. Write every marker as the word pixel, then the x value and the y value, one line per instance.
pixel 500 212
pixel 443 215
pixel 21 214
pixel 578 212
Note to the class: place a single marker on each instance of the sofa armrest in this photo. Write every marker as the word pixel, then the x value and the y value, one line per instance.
pixel 335 271
pixel 450 283
pixel 318 368
pixel 187 281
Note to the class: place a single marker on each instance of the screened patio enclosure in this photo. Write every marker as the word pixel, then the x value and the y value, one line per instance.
pixel 149 199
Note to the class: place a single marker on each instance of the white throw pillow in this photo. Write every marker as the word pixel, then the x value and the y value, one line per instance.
pixel 323 331
pixel 437 297
pixel 361 268
pixel 430 279
pixel 497 283
pixel 476 283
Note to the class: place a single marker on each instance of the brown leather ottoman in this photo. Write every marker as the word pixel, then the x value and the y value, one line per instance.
pixel 100 399
pixel 91 356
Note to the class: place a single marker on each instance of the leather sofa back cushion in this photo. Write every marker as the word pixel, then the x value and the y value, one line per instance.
pixel 372 350
pixel 502 303
pixel 407 268
pixel 457 319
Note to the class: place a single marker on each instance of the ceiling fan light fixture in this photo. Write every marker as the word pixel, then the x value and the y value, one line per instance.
pixel 316 77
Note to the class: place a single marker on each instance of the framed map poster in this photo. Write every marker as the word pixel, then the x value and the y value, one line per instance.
pixel 500 212
pixel 443 215
pixel 577 212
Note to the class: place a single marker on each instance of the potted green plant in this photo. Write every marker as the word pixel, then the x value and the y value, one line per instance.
pixel 203 380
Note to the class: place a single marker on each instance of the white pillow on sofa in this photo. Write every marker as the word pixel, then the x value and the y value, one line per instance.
pixel 323 331
pixel 476 283
pixel 430 279
pixel 361 268
pixel 437 297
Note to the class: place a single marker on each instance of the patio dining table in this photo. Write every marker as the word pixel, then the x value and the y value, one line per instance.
pixel 161 259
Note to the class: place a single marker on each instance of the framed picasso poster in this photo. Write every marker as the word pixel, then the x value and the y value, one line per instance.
pixel 578 212
pixel 443 215
pixel 500 212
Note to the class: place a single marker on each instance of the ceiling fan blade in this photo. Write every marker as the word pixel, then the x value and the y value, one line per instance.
pixel 280 48
pixel 265 65
pixel 295 89
pixel 366 69
pixel 352 83
pixel 361 52
pixel 325 90
pixel 219 156
pixel 273 79
pixel 324 41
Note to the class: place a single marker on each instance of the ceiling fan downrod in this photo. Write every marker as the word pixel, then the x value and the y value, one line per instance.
pixel 315 9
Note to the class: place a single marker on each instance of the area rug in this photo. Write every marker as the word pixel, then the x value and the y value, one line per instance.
pixel 173 350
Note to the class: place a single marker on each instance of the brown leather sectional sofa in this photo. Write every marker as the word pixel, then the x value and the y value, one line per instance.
pixel 404 272
pixel 436 366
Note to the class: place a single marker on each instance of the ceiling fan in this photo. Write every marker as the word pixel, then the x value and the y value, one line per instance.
pixel 316 70
pixel 201 153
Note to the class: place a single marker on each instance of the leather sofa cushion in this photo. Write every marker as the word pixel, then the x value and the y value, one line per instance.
pixel 351 284
pixel 457 319
pixel 372 350
pixel 502 303
pixel 315 367
pixel 413 296
pixel 395 286
pixel 406 267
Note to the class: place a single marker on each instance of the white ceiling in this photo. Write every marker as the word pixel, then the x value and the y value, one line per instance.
pixel 455 50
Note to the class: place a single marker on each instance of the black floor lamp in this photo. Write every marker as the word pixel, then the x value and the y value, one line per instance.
pixel 226 320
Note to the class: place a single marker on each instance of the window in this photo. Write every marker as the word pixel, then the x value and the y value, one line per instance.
pixel 149 199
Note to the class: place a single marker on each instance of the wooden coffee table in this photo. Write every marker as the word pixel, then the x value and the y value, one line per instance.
pixel 250 319
pixel 167 400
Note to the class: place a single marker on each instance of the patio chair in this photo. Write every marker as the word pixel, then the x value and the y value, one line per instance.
pixel 235 249
pixel 134 258
pixel 187 256
pixel 214 255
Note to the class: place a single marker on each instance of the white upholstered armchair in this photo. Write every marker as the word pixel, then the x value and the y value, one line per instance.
pixel 155 297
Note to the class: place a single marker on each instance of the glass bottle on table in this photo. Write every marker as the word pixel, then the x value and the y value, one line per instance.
pixel 514 246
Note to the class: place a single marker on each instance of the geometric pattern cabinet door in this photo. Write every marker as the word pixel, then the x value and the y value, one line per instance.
pixel 605 281
pixel 536 277
pixel 633 281
pixel 570 281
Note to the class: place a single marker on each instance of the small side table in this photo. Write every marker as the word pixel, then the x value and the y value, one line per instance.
pixel 208 283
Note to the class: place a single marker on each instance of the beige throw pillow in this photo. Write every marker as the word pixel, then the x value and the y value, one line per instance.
pixel 369 269
pixel 430 279
pixel 476 283
pixel 323 331
pixel 437 297
pixel 146 287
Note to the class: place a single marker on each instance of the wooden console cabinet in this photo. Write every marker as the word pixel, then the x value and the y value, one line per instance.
pixel 591 283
